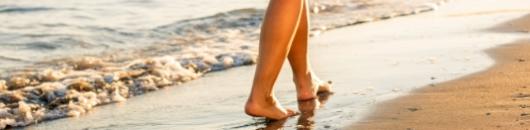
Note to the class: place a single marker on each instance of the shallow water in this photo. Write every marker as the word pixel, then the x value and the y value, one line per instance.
pixel 33 31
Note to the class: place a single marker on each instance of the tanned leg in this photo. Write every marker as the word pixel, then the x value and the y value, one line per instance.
pixel 277 33
pixel 307 83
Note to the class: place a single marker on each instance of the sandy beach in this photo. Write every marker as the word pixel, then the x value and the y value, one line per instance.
pixel 497 98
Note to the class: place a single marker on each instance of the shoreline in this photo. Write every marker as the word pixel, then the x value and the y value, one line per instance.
pixel 78 89
pixel 370 70
pixel 496 98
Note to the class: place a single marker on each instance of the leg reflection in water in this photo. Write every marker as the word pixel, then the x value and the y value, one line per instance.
pixel 307 108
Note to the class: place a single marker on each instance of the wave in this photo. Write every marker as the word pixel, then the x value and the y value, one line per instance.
pixel 20 9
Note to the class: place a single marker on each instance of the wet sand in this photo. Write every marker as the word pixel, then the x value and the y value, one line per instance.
pixel 497 98
pixel 518 25
pixel 494 99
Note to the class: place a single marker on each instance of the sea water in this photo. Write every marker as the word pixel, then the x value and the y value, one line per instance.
pixel 35 31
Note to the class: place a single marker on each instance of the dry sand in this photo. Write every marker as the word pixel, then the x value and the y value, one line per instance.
pixel 498 98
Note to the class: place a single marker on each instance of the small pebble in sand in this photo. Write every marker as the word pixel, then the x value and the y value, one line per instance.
pixel 521 60
pixel 525 114
pixel 487 114
pixel 413 109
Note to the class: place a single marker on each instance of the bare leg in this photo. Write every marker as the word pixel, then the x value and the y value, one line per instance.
pixel 307 83
pixel 277 33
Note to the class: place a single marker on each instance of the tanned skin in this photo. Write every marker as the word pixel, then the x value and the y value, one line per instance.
pixel 284 35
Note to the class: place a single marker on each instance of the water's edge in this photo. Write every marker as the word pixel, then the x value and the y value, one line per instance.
pixel 72 86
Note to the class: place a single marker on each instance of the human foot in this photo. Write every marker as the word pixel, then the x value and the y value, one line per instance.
pixel 308 89
pixel 268 108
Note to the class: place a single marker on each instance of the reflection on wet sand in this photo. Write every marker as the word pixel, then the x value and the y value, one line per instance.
pixel 306 120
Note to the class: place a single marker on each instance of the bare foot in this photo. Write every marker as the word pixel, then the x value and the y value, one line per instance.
pixel 268 108
pixel 308 89
pixel 325 87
